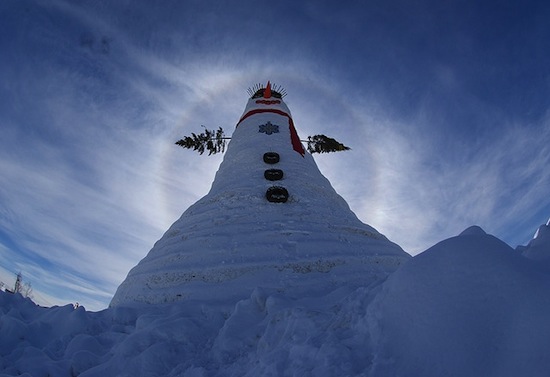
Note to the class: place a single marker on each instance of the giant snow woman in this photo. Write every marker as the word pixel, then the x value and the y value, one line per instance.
pixel 271 220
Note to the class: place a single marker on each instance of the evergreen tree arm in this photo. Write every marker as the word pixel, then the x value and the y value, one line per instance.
pixel 212 141
pixel 324 144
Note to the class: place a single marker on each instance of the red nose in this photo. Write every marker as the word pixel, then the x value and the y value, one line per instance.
pixel 267 91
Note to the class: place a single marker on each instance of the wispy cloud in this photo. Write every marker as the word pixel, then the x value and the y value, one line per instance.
pixel 424 195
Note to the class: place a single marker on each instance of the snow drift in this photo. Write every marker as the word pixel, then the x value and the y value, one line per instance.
pixel 468 306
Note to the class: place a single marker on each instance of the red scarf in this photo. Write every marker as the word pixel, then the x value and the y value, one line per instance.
pixel 296 144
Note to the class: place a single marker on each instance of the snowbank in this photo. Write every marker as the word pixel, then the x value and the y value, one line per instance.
pixel 468 306
pixel 539 247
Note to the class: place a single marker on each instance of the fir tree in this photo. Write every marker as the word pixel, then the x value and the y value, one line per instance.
pixel 324 144
pixel 212 141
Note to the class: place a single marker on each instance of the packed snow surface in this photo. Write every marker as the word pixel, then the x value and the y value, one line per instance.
pixel 468 306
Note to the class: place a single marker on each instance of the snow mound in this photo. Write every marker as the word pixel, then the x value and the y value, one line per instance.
pixel 474 230
pixel 539 247
pixel 468 306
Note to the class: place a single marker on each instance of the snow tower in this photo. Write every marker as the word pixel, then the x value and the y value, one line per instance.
pixel 270 220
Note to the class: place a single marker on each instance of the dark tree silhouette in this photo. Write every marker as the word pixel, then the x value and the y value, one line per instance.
pixel 212 141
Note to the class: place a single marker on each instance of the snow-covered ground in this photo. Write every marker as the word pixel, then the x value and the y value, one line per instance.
pixel 468 306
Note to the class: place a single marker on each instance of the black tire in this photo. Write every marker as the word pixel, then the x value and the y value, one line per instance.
pixel 276 194
pixel 271 157
pixel 273 174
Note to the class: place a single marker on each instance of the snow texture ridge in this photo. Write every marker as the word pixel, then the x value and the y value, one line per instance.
pixel 539 247
pixel 233 239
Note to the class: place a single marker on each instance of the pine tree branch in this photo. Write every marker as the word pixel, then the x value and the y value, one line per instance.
pixel 212 141
pixel 324 144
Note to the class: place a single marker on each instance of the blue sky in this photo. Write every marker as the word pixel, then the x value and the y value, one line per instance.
pixel 445 105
